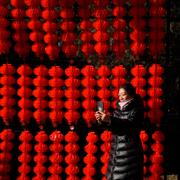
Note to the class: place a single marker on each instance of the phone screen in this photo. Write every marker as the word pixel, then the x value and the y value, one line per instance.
pixel 100 106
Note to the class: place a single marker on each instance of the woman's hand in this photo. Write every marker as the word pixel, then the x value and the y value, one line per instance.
pixel 101 116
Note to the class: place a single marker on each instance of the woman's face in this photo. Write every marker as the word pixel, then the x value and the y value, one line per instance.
pixel 123 95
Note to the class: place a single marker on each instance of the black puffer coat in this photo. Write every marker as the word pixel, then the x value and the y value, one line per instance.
pixel 126 156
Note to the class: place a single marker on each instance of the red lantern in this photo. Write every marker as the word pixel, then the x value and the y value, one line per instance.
pixel 119 71
pixel 100 13
pixel 138 82
pixel 155 103
pixel 89 93
pixel 89 104
pixel 137 48
pixel 85 24
pixel 49 26
pixel 68 37
pixel 84 12
pixel 119 24
pixel 72 82
pixel 155 92
pixel 137 36
pixel 157 2
pixel 137 24
pixel 119 12
pixel 117 82
pixel 155 81
pixel 138 71
pixel 155 116
pixel 87 49
pixel 157 11
pixel 156 69
pixel 101 25
pixel 137 11
pixel 100 36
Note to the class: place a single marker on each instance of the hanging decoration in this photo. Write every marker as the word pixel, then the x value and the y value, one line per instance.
pixel 101 36
pixel 144 138
pixel 103 84
pixel 119 73
pixel 25 157
pixel 19 25
pixel 68 26
pixel 40 157
pixel 157 26
pixel 50 14
pixel 7 100
pixel 86 35
pixel 6 146
pixel 90 159
pixel 155 101
pixel 71 157
pixel 5 43
pixel 56 156
pixel 25 94
pixel 72 93
pixel 35 25
pixel 56 94
pixel 89 94
pixel 40 93
pixel 106 137
pixel 119 25
pixel 139 82
pixel 137 24
pixel 157 158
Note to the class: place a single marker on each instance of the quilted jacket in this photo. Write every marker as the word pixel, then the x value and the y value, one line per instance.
pixel 126 155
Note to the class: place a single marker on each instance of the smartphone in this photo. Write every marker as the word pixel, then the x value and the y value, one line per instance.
pixel 100 106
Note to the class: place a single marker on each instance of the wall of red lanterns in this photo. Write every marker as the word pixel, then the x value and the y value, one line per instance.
pixel 49 27
pixel 53 94
pixel 66 96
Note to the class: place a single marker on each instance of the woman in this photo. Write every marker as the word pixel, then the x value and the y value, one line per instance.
pixel 126 156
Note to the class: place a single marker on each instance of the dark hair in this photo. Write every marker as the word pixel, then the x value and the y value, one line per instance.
pixel 129 89
pixel 132 92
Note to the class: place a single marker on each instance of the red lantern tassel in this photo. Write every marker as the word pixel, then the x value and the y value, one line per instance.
pixel 6 146
pixel 157 159
pixel 67 26
pixel 157 24
pixel 40 158
pixel 86 35
pixel 144 138
pixel 89 104
pixel 72 94
pixel 104 93
pixel 35 25
pixel 56 94
pixel 19 24
pixel 40 93
pixel 119 73
pixel 72 158
pixel 106 137
pixel 50 14
pixel 138 81
pixel 101 35
pixel 25 103
pixel 56 157
pixel 90 159
pixel 119 35
pixel 155 101
pixel 25 157
pixel 7 101
pixel 5 44
pixel 137 24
